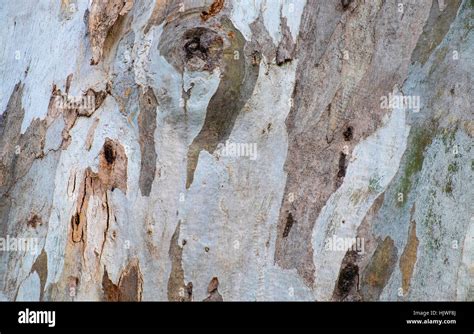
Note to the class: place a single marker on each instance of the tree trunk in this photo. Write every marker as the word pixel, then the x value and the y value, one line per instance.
pixel 236 150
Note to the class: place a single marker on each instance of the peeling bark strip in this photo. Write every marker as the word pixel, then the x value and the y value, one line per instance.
pixel 177 289
pixel 90 185
pixel 41 267
pixel 214 295
pixel 408 257
pixel 348 279
pixel 215 8
pixel 147 127
pixel 129 287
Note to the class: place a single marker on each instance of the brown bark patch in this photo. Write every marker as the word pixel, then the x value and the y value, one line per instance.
pixel 91 185
pixel 286 48
pixel 113 166
pixel 408 257
pixel 34 221
pixel 90 134
pixel 435 29
pixel 289 224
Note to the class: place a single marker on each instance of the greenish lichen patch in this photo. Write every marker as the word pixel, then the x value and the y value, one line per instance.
pixel 415 156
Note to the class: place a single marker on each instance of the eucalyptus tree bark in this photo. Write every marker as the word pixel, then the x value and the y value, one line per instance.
pixel 236 150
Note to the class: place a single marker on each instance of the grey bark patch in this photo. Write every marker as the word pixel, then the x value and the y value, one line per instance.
pixel 113 164
pixel 123 82
pixel 34 221
pixel 110 290
pixel 307 143
pixel 261 39
pixel 318 23
pixel 31 146
pixel 289 224
pixel 147 126
pixel 41 267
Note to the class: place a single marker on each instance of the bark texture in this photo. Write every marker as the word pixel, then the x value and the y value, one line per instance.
pixel 218 150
